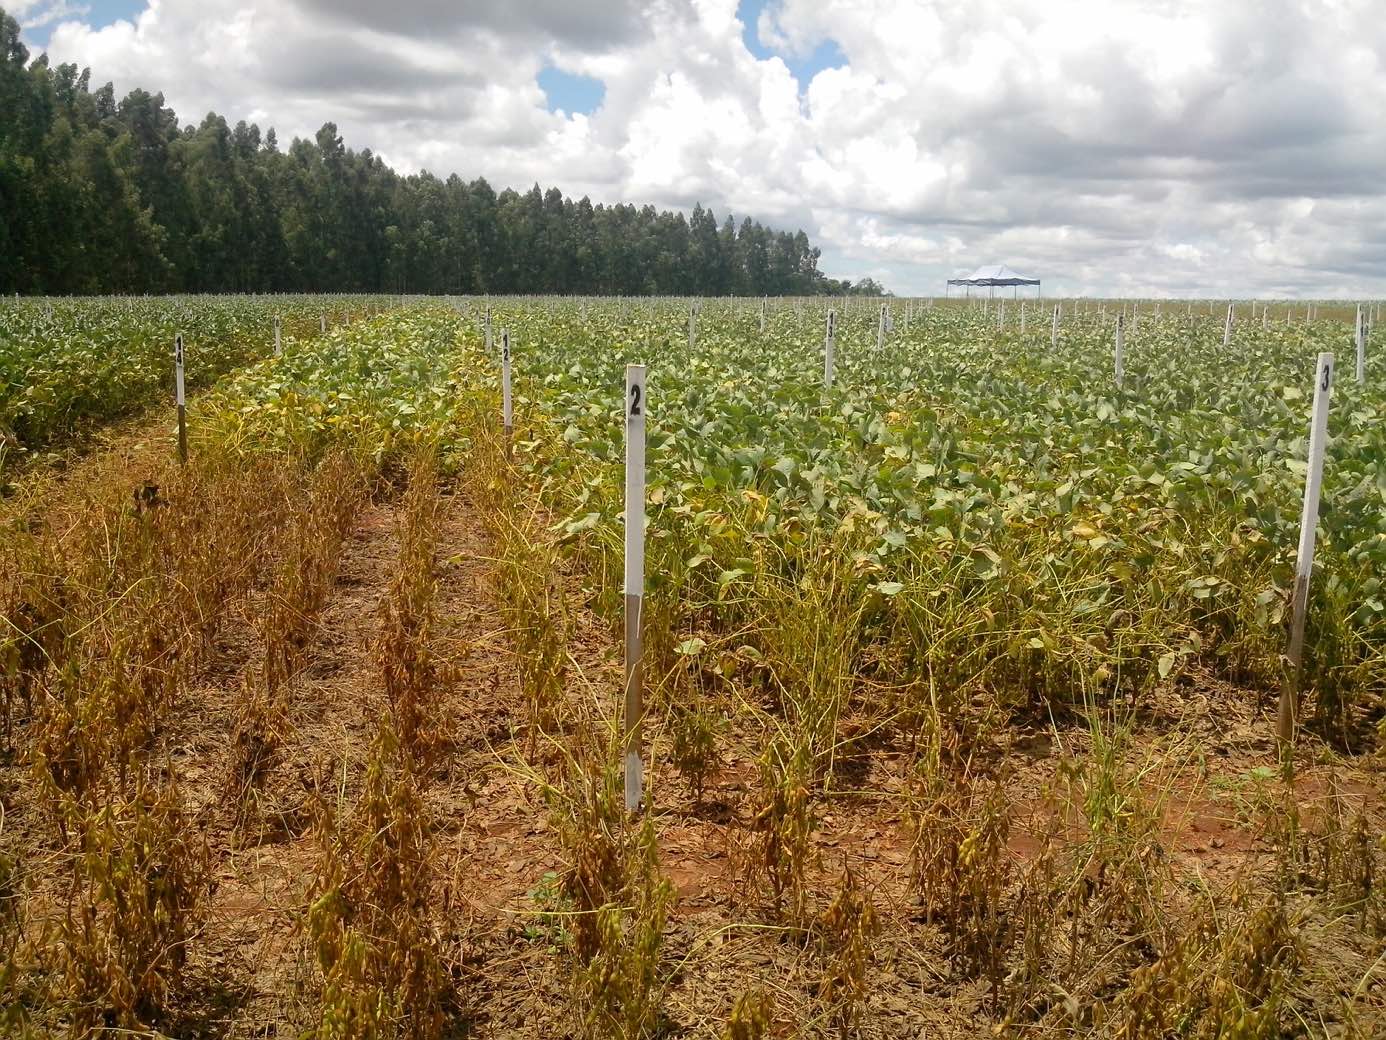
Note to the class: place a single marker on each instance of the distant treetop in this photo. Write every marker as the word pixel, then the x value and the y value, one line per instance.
pixel 102 196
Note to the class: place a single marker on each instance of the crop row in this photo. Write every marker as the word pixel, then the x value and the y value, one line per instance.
pixel 68 365
pixel 1012 518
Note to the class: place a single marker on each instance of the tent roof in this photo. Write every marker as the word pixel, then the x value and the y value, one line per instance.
pixel 996 274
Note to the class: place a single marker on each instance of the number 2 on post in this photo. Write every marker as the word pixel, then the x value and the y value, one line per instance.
pixel 635 400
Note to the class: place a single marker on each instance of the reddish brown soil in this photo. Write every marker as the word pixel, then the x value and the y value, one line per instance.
pixel 250 975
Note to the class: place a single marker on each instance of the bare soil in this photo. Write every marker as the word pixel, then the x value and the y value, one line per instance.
pixel 250 974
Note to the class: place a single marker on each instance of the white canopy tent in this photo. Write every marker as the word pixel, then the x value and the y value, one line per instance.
pixel 992 276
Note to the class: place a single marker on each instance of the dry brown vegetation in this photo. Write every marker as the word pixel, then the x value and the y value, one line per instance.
pixel 328 748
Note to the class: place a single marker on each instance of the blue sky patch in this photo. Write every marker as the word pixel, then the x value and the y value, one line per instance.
pixel 96 13
pixel 570 92
pixel 827 55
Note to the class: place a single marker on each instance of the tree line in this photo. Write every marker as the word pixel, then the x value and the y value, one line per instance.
pixel 105 196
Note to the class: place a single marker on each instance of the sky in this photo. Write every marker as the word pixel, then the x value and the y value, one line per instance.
pixel 1166 148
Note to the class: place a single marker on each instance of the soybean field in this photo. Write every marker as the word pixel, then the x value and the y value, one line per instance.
pixel 619 668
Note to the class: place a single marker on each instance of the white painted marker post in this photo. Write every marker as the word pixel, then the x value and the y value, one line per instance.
pixel 488 328
pixel 1054 328
pixel 1361 347
pixel 1304 560
pixel 880 328
pixel 1265 317
pixel 692 327
pixel 322 322
pixel 507 410
pixel 1022 318
pixel 1227 328
pixel 763 303
pixel 635 575
pixel 828 349
pixel 278 345
pixel 1119 356
pixel 180 398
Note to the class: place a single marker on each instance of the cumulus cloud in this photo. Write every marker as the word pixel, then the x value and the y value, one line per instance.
pixel 595 24
pixel 36 14
pixel 1153 147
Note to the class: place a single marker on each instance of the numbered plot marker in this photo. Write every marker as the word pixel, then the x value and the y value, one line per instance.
pixel 507 408
pixel 1227 328
pixel 1054 328
pixel 1119 354
pixel 828 349
pixel 692 327
pixel 487 318
pixel 1304 561
pixel 635 576
pixel 322 323
pixel 1361 346
pixel 180 398
pixel 278 344
pixel 763 304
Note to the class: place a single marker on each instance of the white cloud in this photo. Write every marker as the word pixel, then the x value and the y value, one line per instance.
pixel 1146 146
pixel 37 14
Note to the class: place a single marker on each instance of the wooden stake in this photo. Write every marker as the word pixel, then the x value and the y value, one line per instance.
pixel 635 576
pixel 1304 561
pixel 828 349
pixel 1119 355
pixel 507 412
pixel 1361 347
pixel 180 398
